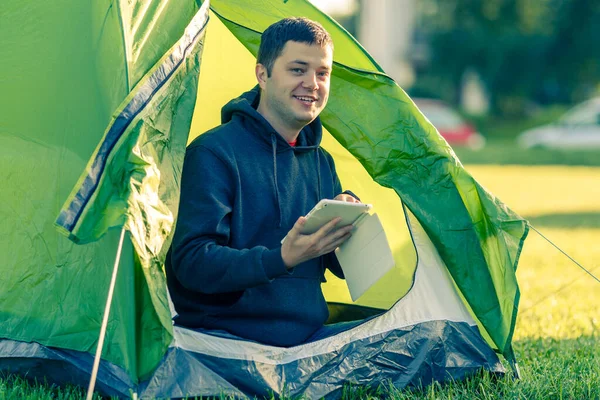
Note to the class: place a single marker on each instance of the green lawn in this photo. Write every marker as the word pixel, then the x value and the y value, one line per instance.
pixel 504 151
pixel 557 339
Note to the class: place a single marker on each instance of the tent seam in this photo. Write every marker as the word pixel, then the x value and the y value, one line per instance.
pixel 125 46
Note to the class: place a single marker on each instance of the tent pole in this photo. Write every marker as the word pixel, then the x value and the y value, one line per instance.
pixel 90 392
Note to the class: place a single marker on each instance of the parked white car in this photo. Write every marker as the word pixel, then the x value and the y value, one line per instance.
pixel 578 128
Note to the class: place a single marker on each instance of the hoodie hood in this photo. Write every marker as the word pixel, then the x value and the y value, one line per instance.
pixel 245 109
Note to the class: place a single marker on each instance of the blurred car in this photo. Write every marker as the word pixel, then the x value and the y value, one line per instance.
pixel 450 124
pixel 578 128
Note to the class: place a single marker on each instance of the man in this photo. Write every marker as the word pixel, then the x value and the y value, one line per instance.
pixel 245 186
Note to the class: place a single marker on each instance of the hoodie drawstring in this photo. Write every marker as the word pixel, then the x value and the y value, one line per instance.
pixel 274 145
pixel 318 175
pixel 277 197
pixel 321 259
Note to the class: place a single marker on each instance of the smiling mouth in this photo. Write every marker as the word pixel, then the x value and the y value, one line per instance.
pixel 306 99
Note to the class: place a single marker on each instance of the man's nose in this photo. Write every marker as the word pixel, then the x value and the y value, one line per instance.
pixel 311 82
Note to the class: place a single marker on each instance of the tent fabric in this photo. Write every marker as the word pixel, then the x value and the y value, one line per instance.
pixel 69 67
pixel 62 366
pixel 411 356
pixel 122 182
pixel 428 335
pixel 122 81
pixel 153 97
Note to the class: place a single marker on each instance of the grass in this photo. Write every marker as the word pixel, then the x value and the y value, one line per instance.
pixel 562 203
pixel 16 388
pixel 504 151
pixel 557 339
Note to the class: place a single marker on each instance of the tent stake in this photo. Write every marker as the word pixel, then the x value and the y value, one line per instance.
pixel 111 290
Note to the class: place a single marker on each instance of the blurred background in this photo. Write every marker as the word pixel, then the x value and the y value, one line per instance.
pixel 517 77
pixel 514 87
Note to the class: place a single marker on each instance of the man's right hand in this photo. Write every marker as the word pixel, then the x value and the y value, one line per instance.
pixel 298 248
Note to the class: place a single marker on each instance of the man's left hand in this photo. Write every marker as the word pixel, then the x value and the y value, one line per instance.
pixel 347 198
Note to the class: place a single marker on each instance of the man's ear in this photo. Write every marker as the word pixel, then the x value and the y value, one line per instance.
pixel 261 75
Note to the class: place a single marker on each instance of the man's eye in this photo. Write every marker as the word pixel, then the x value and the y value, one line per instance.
pixel 324 73
pixel 297 70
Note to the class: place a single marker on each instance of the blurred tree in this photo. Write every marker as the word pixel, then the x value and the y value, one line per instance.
pixel 574 55
pixel 540 50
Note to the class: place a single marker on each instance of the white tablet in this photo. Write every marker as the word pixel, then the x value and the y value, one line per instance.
pixel 326 210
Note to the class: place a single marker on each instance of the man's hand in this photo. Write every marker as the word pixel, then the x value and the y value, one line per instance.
pixel 298 248
pixel 347 198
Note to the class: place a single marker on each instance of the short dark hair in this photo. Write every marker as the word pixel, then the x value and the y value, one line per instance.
pixel 301 30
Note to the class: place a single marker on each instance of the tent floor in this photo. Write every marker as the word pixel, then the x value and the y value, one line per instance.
pixel 413 355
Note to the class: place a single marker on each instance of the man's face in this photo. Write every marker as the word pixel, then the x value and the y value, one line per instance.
pixel 298 88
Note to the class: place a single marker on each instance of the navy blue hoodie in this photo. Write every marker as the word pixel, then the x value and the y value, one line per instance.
pixel 242 189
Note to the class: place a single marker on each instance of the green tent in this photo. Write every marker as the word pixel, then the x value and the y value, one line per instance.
pixel 116 89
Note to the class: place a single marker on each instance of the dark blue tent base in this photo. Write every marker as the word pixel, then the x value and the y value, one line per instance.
pixel 415 355
pixel 60 366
